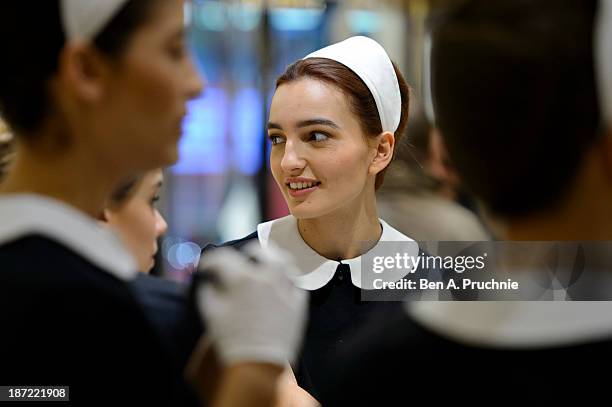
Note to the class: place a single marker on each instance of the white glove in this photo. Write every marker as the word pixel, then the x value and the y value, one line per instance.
pixel 254 312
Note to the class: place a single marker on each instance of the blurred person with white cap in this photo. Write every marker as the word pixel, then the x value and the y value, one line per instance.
pixel 95 92
pixel 522 96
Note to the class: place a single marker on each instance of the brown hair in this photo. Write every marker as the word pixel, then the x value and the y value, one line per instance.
pixel 360 98
pixel 519 125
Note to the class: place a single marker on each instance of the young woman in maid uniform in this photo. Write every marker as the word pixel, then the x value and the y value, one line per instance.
pixel 95 93
pixel 335 121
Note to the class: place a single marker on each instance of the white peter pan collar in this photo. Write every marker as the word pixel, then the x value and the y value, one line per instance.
pixel 317 270
pixel 27 214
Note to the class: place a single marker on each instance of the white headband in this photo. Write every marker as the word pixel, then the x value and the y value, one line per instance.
pixel 603 58
pixel 369 60
pixel 84 19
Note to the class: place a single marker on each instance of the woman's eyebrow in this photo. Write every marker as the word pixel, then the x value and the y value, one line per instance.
pixel 306 123
pixel 320 122
pixel 274 126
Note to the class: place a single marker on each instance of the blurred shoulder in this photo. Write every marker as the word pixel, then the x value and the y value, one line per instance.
pixel 236 244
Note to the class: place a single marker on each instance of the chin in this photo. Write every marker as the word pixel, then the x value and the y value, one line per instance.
pixel 173 157
pixel 305 212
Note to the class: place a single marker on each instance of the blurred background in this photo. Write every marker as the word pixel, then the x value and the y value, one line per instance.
pixel 221 187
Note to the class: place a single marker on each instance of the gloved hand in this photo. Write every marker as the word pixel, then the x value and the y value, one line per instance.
pixel 252 309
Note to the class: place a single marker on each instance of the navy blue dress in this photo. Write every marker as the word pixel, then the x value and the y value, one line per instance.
pixel 336 313
pixel 69 316
pixel 66 322
pixel 401 359
pixel 171 308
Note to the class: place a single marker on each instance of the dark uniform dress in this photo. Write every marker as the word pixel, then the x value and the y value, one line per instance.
pixel 171 308
pixel 336 308
pixel 480 353
pixel 68 317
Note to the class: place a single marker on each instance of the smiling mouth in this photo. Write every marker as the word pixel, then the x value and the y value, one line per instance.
pixel 298 186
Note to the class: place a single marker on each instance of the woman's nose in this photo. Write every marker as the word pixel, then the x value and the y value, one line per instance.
pixel 160 224
pixel 292 161
pixel 196 82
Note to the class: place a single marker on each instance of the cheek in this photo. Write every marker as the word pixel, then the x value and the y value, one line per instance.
pixel 140 228
pixel 147 227
pixel 146 115
pixel 275 164
pixel 344 168
pixel 151 88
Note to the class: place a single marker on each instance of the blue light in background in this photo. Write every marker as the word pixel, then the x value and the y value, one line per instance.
pixel 247 131
pixel 295 19
pixel 245 16
pixel 212 16
pixel 363 21
pixel 203 147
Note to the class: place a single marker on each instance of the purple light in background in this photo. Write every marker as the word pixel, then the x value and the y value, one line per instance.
pixel 247 131
pixel 203 147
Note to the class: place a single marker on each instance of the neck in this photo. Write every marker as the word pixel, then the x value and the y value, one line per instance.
pixel 343 234
pixel 582 214
pixel 67 175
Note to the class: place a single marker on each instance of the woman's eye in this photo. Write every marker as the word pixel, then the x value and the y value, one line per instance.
pixel 154 200
pixel 177 51
pixel 276 140
pixel 317 136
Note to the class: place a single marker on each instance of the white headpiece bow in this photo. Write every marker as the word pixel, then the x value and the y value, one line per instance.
pixel 84 19
pixel 369 60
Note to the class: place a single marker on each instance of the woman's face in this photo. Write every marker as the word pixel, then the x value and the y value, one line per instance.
pixel 320 157
pixel 137 222
pixel 145 93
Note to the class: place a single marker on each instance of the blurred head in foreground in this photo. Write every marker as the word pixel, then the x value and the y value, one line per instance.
pixel 109 102
pixel 515 95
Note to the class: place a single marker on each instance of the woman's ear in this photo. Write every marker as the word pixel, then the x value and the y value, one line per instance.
pixel 385 145
pixel 82 72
